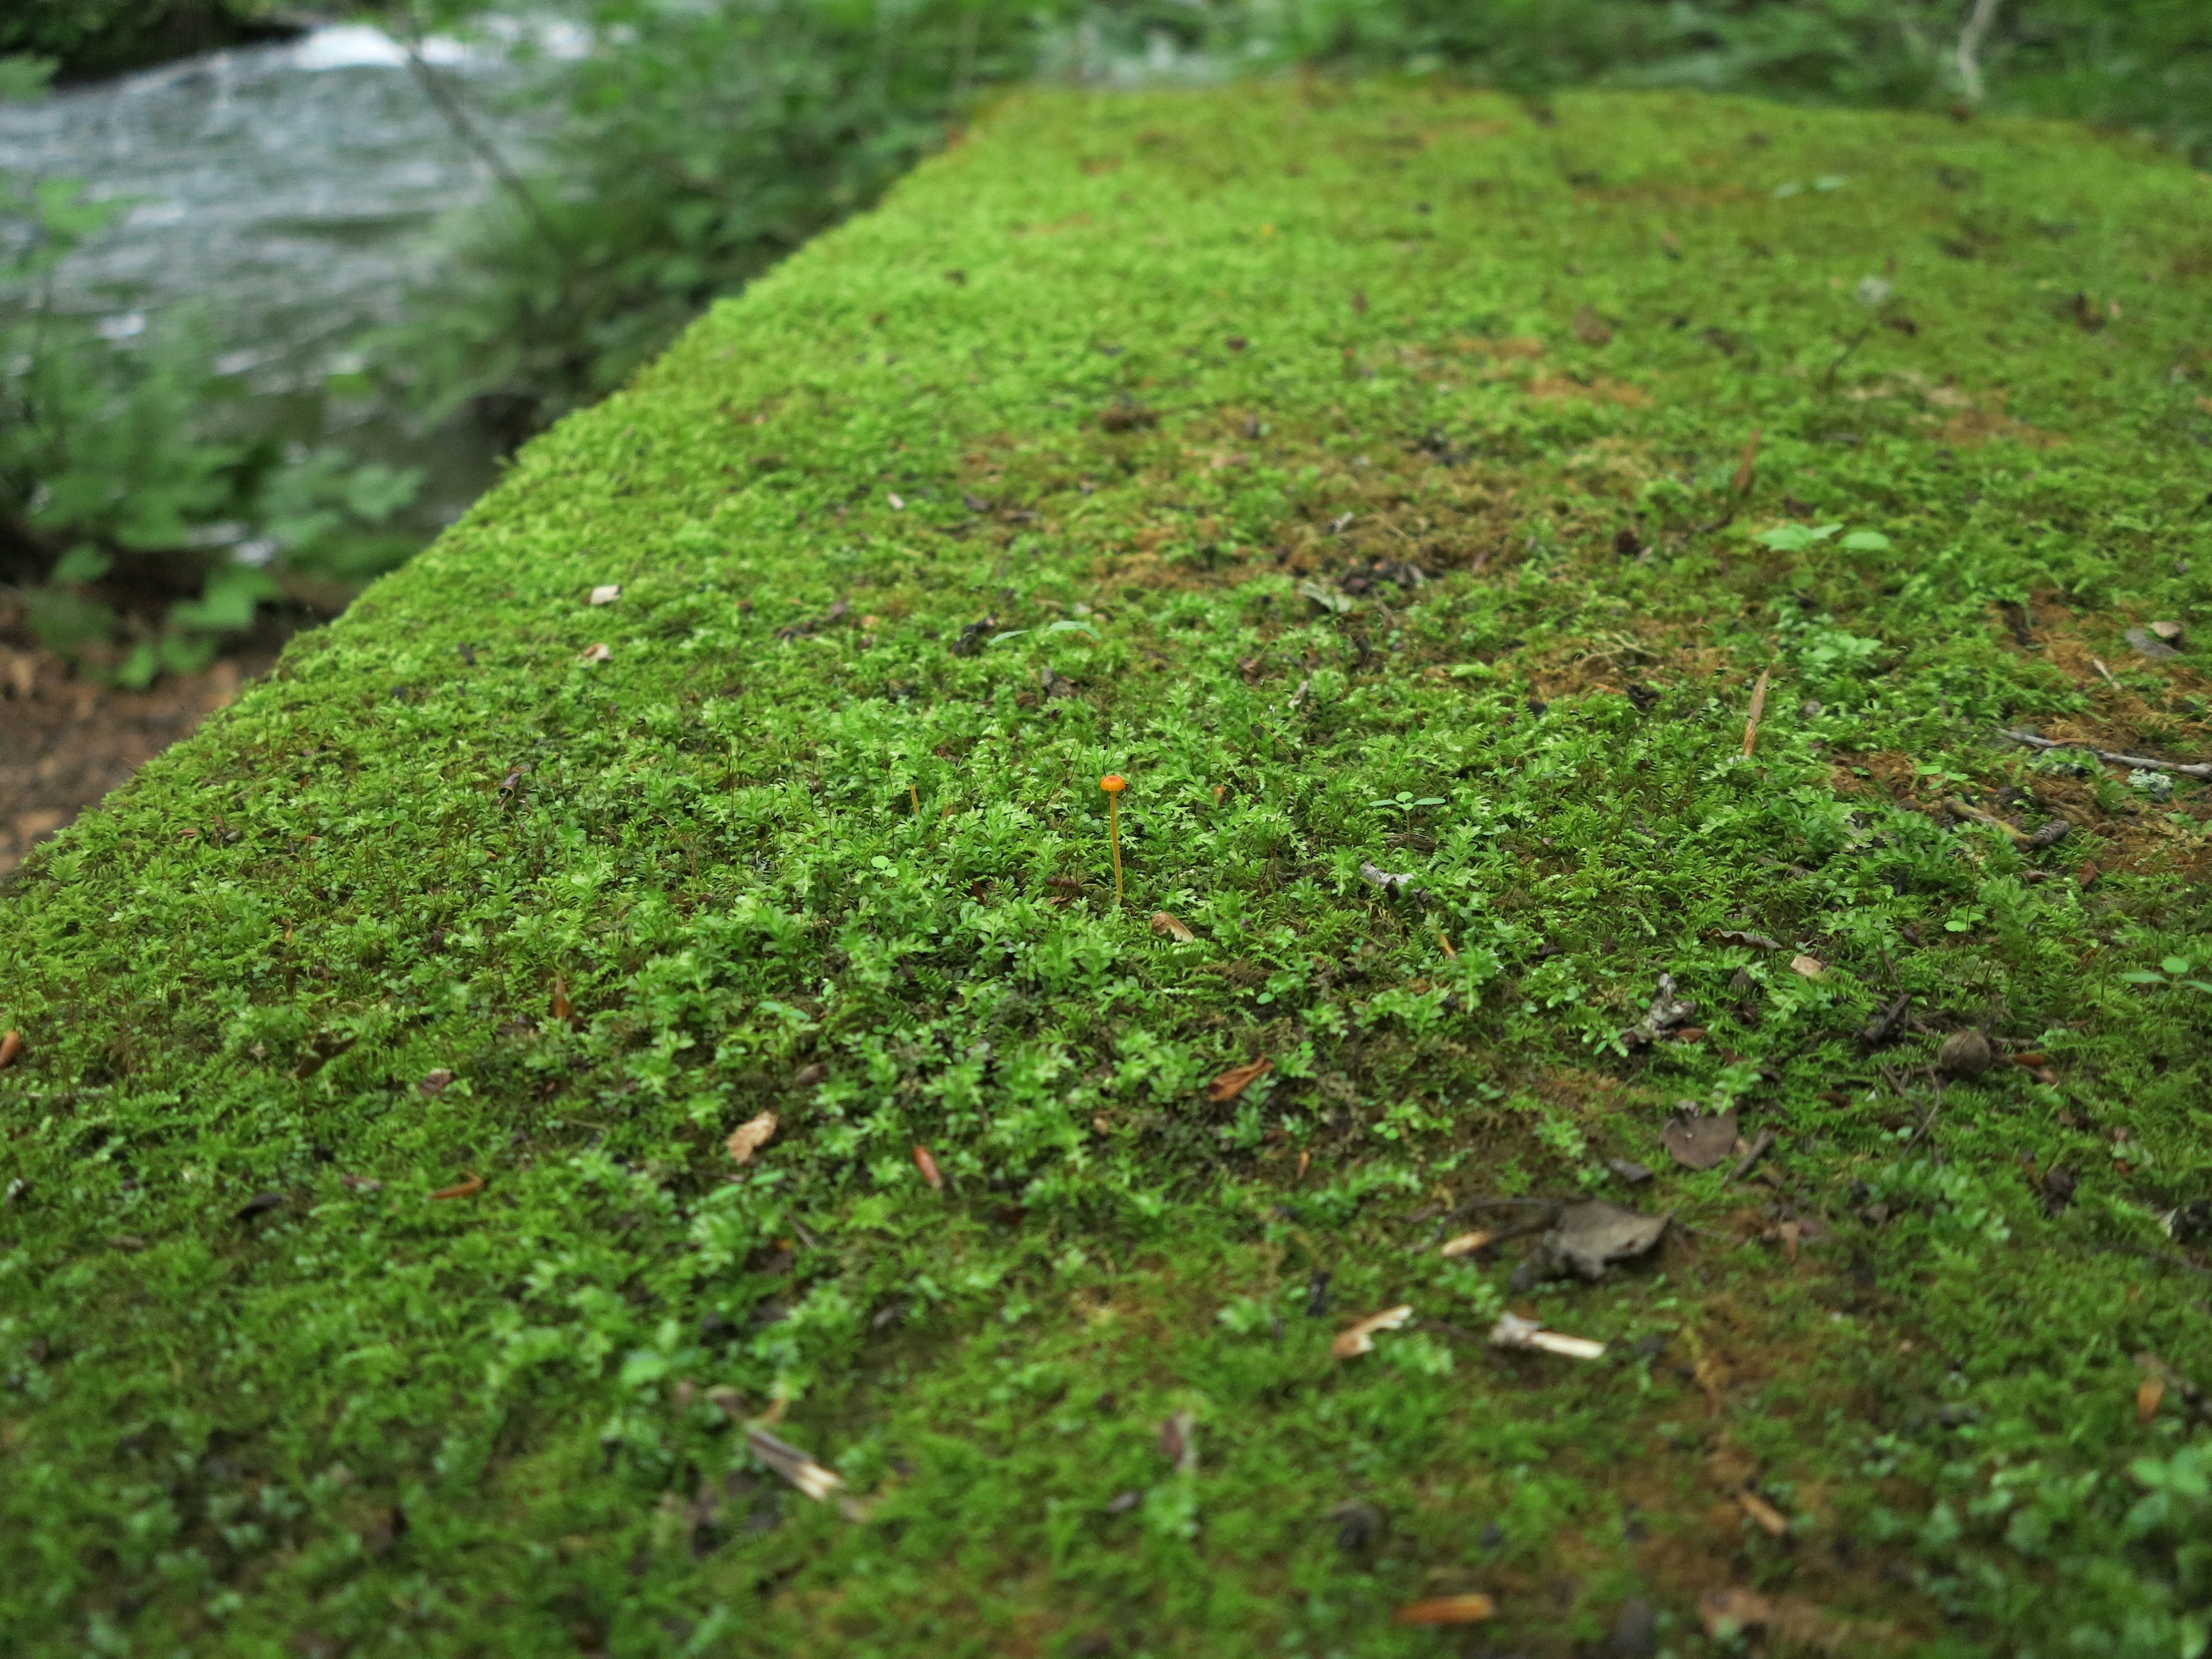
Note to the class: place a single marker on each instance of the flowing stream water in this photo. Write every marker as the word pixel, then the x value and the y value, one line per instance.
pixel 281 201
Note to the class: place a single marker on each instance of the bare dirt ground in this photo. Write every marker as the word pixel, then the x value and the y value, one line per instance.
pixel 65 742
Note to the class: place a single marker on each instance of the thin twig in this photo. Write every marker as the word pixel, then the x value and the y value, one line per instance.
pixel 1927 1123
pixel 1759 1148
pixel 1828 380
pixel 464 128
pixel 2142 763
pixel 1970 47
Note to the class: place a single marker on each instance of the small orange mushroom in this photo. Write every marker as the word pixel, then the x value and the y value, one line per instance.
pixel 1113 783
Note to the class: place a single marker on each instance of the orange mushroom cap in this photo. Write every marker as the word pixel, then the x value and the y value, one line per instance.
pixel 1113 783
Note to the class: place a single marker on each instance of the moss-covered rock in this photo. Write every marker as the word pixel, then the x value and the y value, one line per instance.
pixel 1411 501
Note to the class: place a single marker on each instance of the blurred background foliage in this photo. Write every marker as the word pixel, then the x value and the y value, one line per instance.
pixel 699 141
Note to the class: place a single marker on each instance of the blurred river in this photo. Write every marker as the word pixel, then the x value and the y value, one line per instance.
pixel 281 200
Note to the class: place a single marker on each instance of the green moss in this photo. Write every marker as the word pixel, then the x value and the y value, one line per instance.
pixel 1192 357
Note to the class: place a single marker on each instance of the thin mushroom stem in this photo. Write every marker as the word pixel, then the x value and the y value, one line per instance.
pixel 1113 834
pixel 1113 783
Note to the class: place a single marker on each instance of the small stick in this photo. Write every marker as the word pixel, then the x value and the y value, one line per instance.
pixel 2103 672
pixel 1747 468
pixel 2143 762
pixel 1927 1123
pixel 1113 783
pixel 1758 1150
pixel 1758 708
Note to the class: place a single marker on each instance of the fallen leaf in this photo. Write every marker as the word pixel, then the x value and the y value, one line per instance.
pixel 793 1464
pixel 1729 1612
pixel 1469 1609
pixel 1700 1142
pixel 750 1137
pixel 469 1186
pixel 1758 710
pixel 600 653
pixel 606 593
pixel 1236 1079
pixel 1590 328
pixel 2150 645
pixel 1467 1243
pixel 1179 1442
pixel 1511 1331
pixel 1667 1011
pixel 1128 416
pixel 2148 1395
pixel 1629 1170
pixel 1361 1338
pixel 1742 936
pixel 927 1165
pixel 434 1083
pixel 1588 1237
pixel 1771 1521
pixel 11 1046
pixel 1172 926
pixel 1811 967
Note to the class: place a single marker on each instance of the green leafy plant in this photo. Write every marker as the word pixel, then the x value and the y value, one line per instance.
pixel 141 534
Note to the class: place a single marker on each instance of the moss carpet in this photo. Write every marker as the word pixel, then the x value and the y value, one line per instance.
pixel 1410 495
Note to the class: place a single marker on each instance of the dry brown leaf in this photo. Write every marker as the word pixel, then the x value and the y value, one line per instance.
pixel 1469 1609
pixel 1236 1079
pixel 600 653
pixel 1811 967
pixel 1590 328
pixel 469 1186
pixel 1771 1521
pixel 1172 926
pixel 927 1165
pixel 1467 1243
pixel 1758 710
pixel 2148 1396
pixel 1700 1142
pixel 1361 1338
pixel 10 1045
pixel 750 1137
